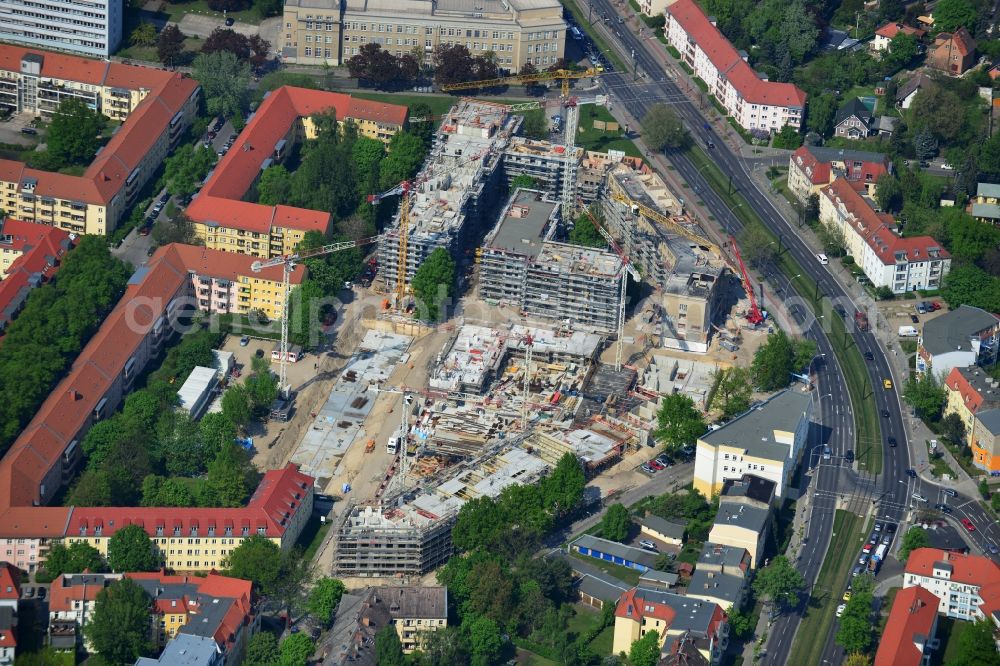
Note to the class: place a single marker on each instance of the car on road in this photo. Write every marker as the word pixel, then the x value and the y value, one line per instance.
pixel 822 258
pixel 840 609
pixel 885 413
pixel 648 545
pixel 849 456
pixel 244 341
pixel 856 570
pixel 867 548
pixel 887 384
pixel 993 549
pixel 892 442
pixel 847 595
pixel 943 508
pixel 950 492
pixel 864 558
pixel 878 526
pixel 967 524
pixel 918 497
pixel 890 528
pixel 915 319
pixel 912 473
pixel 886 540
pixel 150 251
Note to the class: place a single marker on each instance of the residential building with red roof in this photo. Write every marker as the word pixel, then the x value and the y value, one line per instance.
pixel 10 584
pixel 223 221
pixel 967 586
pixel 909 632
pixel 953 52
pixel 812 167
pixel 754 102
pixel 642 609
pixel 887 32
pixel 155 107
pixel 970 390
pixel 889 260
pixel 30 255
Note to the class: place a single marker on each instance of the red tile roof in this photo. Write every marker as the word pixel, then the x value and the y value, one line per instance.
pixel 634 607
pixel 729 63
pixel 913 614
pixel 972 397
pixel 960 40
pixel 73 587
pixel 58 65
pixel 875 229
pixel 10 582
pixel 220 199
pixel 966 569
pixel 225 265
pixel 819 170
pixel 890 30
pixel 41 247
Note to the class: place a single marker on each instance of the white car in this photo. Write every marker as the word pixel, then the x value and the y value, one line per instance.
pixel 840 609
pixel 822 259
pixel 918 497
pixel 648 545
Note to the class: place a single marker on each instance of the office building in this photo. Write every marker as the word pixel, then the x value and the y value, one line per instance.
pixel 224 220
pixel 766 441
pixel 967 586
pixel 517 32
pixel 93 29
pixel 754 102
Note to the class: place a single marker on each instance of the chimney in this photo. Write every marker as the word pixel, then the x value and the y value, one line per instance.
pixel 73 395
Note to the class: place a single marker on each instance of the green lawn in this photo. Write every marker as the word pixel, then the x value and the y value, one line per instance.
pixel 869 448
pixel 939 466
pixel 529 658
pixel 949 632
pixel 590 138
pixel 624 574
pixel 603 642
pixel 826 594
pixel 312 536
pixel 176 11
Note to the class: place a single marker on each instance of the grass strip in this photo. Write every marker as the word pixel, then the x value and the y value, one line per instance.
pixel 866 425
pixel 828 590
pixel 580 17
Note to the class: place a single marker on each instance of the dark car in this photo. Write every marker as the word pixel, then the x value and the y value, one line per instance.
pixel 869 356
pixel 230 21
pixel 849 456
pixel 892 442
pixel 29 130
pixel 915 319
pixel 912 473
pixel 943 508
pixel 890 528
pixel 885 413
pixel 150 251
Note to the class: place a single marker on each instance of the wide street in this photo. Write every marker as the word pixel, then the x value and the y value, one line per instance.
pixel 894 487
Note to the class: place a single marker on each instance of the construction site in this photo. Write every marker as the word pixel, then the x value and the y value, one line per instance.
pixel 542 359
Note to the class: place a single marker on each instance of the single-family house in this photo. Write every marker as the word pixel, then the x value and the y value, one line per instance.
pixel 986 205
pixel 854 120
pixel 906 92
pixel 887 32
pixel 953 52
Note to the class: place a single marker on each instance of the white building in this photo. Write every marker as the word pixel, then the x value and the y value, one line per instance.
pixel 766 441
pixel 901 264
pixel 92 28
pixel 962 338
pixel 752 101
pixel 968 586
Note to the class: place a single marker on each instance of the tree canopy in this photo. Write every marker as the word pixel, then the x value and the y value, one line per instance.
pixel 381 68
pixel 77 557
pixel 925 394
pixel 170 45
pixel 733 391
pixel 324 597
pixel 776 360
pixel 976 644
pixel 74 133
pixel 257 559
pixel 678 422
pixel 119 626
pixel 780 582
pixel 662 128
pixel 130 549
pixel 224 80
pixel 915 537
pixel 855 630
pixel 388 647
pixel 646 650
pixel 616 523
pixel 434 285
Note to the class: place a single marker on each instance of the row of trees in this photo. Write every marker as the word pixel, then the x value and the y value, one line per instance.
pixel 380 68
pixel 57 321
pixel 186 168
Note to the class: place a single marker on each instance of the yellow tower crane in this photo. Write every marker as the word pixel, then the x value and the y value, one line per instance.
pixel 562 75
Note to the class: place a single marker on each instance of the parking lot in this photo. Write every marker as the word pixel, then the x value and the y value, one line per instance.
pixel 10 130
pixel 196 25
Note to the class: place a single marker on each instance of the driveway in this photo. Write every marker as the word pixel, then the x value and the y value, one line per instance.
pixel 196 25
pixel 10 131
pixel 270 29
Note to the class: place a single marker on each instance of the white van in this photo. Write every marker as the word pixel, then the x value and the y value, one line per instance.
pixel 822 259
pixel 908 332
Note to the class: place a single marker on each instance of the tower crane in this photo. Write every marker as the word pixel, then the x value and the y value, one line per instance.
pixel 735 263
pixel 562 75
pixel 288 263
pixel 627 270
pixel 403 441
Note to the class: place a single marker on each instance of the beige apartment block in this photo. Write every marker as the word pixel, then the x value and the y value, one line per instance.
pixel 318 32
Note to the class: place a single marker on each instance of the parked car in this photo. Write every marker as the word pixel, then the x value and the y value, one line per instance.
pixel 915 319
pixel 912 473
pixel 655 465
pixel 840 609
pixel 935 306
pixel 229 21
pixel 878 525
pixel 967 524
pixel 244 341
pixel 921 309
pixel 647 469
pixel 29 130
pixel 950 492
pixel 847 595
pixel 648 545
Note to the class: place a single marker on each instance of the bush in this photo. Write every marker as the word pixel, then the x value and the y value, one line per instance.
pixel 848 260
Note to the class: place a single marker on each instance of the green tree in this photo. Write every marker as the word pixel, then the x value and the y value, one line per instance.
pixel 646 650
pixel 820 113
pixel 79 556
pixel 130 549
pixel 855 632
pixel 266 8
pixel 585 232
pixel 74 133
pixel 262 650
pixel 257 559
pixel 535 125
pixel 678 422
pixel 324 597
pixel 262 385
pixel 562 489
pixel 776 360
pixel 186 169
pixel 662 128
pixel 433 284
pixel 119 627
pixel 950 15
pixel 925 144
pixel 484 640
pixel 406 154
pixel 984 489
pixel 236 405
pixel 616 523
pixel 976 644
pixel 756 247
pixel 170 45
pixel 889 193
pixel 388 647
pixel 915 537
pixel 971 285
pixel 788 138
pixel 779 582
pixel 296 650
pixel 275 186
pixel 925 394
pixel 523 181
pixel 741 623
pixel 159 491
pixel 953 429
pixel 733 392
pixel 216 430
pixel 230 477
pixel 224 82
pixel 143 35
pixel 857 659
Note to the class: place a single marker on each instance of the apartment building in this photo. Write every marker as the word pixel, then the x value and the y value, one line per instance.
pixel 970 390
pixel 10 593
pixel 889 260
pixel 984 440
pixel 30 255
pixel 742 526
pixel 92 29
pixel 908 637
pixel 765 441
pixel 522 266
pixel 318 32
pixel 952 52
pixel 461 186
pixel 224 220
pixel 964 337
pixel 641 610
pixel 156 108
pixel 968 586
pixel 188 650
pixel 721 575
pixel 72 598
pixel 810 168
pixel 754 102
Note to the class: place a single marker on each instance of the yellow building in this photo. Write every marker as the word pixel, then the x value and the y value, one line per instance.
pixel 516 32
pixel 415 611
pixel 641 610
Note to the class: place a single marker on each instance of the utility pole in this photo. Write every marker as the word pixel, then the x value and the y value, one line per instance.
pixel 590 15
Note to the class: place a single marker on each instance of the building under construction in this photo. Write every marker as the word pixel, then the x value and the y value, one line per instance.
pixel 546 163
pixel 456 191
pixel 523 267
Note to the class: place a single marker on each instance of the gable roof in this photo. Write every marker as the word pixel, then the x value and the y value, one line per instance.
pixel 912 85
pixel 953 331
pixel 818 164
pixel 890 30
pixel 913 614
pixel 975 387
pixel 959 40
pixel 10 582
pixel 854 108
pixel 657 524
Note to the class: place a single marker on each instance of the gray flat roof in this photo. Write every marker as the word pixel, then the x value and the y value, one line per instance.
pixel 693 615
pixel 750 486
pixel 719 555
pixel 988 190
pixel 754 429
pixel 185 650
pixel 669 579
pixel 663 526
pixel 742 515
pixel 715 584
pixel 990 420
pixel 522 228
pixel 991 211
pixel 629 553
pixel 953 330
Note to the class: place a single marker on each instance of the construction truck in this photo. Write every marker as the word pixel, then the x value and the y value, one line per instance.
pixel 860 320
